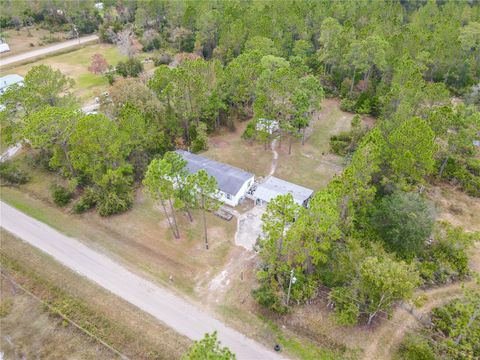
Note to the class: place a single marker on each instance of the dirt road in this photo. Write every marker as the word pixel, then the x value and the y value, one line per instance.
pixel 46 50
pixel 172 310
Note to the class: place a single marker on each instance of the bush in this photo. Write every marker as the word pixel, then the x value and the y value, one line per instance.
pixel 339 144
pixel 415 348
pixel 111 203
pixel 130 68
pixel 86 202
pixel 12 175
pixel 162 59
pixel 266 296
pixel 348 105
pixel 61 195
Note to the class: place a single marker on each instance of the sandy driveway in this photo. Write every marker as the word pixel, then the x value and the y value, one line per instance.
pixel 172 310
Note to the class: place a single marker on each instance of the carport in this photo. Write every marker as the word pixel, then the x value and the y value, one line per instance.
pixel 272 187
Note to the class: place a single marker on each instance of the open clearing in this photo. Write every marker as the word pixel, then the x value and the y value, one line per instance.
pixel 313 158
pixel 75 64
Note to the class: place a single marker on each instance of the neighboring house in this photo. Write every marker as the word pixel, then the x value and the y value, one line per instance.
pixel 4 47
pixel 233 183
pixel 267 125
pixel 9 80
pixel 272 187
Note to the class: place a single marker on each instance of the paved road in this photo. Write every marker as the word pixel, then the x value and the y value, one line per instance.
pixel 161 303
pixel 46 50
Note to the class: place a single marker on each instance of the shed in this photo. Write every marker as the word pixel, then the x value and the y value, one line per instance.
pixel 4 47
pixel 233 183
pixel 272 187
pixel 9 80
pixel 267 125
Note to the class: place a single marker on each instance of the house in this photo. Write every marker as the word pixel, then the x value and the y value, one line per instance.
pixel 4 48
pixel 272 187
pixel 267 125
pixel 233 183
pixel 9 80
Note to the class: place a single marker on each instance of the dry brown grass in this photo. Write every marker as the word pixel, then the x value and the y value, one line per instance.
pixel 309 165
pixel 228 147
pixel 20 41
pixel 139 238
pixel 133 332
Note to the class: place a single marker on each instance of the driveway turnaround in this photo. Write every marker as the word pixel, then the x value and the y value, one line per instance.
pixel 46 50
pixel 171 309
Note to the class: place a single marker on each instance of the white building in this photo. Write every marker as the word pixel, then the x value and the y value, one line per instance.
pixel 272 187
pixel 4 47
pixel 267 125
pixel 9 80
pixel 233 183
pixel 98 6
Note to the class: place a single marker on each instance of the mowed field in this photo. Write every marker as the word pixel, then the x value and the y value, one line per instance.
pixel 74 64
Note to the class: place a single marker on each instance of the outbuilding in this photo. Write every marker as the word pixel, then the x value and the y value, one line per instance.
pixel 233 183
pixel 268 125
pixel 273 187
pixel 9 80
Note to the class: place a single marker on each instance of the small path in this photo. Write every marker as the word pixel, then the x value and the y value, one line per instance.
pixel 390 335
pixel 273 167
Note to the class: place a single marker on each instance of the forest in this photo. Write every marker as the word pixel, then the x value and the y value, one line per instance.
pixel 371 237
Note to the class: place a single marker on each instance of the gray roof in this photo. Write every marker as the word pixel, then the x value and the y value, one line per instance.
pixel 229 178
pixel 272 187
pixel 8 80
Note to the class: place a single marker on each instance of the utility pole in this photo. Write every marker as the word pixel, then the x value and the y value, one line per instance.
pixel 293 279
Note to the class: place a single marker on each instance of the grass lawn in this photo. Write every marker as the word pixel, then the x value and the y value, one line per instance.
pixel 75 65
pixel 31 330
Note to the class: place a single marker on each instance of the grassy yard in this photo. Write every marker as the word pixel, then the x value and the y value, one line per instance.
pixel 309 165
pixel 32 330
pixel 75 65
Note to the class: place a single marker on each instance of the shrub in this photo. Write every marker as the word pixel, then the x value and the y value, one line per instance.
pixel 132 67
pixel 111 203
pixel 266 296
pixel 415 348
pixel 86 202
pixel 61 195
pixel 347 105
pixel 162 59
pixel 339 144
pixel 12 175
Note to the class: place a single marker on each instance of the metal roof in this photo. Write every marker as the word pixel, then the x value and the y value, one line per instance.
pixel 8 80
pixel 229 178
pixel 272 187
